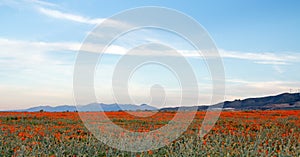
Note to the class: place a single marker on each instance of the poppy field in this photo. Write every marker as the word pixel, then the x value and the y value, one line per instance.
pixel 236 133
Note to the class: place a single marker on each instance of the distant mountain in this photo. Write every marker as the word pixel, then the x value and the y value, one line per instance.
pixel 91 107
pixel 115 107
pixel 285 101
pixel 50 109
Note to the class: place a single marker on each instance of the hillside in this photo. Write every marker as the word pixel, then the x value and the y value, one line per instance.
pixel 285 101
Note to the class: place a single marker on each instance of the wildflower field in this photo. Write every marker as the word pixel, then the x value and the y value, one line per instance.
pixel 236 133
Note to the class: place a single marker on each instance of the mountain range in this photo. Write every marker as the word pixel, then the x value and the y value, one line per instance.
pixel 91 107
pixel 283 101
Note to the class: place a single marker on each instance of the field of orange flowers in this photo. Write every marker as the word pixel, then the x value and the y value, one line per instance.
pixel 236 133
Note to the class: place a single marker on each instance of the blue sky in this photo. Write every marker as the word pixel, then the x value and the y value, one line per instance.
pixel 39 40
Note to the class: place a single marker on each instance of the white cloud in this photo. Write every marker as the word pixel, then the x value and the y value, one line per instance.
pixel 26 4
pixel 28 56
pixel 21 48
pixel 9 46
pixel 71 17
pixel 25 60
pixel 20 55
pixel 279 58
pixel 272 62
pixel 83 19
pixel 262 57
pixel 13 47
pixel 38 2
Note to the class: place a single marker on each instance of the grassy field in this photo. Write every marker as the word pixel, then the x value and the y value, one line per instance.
pixel 236 133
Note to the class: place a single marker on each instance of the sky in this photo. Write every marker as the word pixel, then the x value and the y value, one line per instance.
pixel 39 41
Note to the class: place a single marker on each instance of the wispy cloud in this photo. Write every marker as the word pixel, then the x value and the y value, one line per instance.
pixel 68 16
pixel 29 55
pixel 20 59
pixel 263 57
pixel 11 46
pixel 43 3
pixel 28 4
pixel 43 7
pixel 279 58
pixel 16 46
pixel 276 59
pixel 82 19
